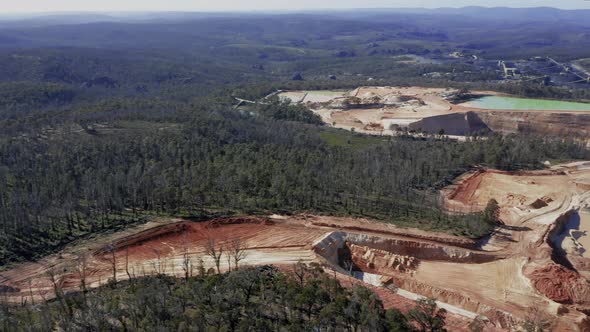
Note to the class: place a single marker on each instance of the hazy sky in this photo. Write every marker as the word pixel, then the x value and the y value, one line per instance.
pixel 11 6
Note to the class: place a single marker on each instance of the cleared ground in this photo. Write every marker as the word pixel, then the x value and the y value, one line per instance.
pixel 392 110
pixel 539 209
pixel 522 264
pixel 373 109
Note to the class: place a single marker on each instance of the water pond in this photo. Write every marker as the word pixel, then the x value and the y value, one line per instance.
pixel 525 104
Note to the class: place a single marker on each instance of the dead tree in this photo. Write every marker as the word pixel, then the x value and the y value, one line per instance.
pixel 201 267
pixel 127 263
pixel 238 251
pixel 348 265
pixel 82 270
pixel 57 284
pixel 300 272
pixel 112 249
pixel 187 263
pixel 161 265
pixel 215 252
pixel 228 258
pixel 31 292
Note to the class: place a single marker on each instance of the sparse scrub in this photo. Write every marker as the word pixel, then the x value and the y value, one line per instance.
pixel 261 298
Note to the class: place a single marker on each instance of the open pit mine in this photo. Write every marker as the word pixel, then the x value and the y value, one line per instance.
pixel 538 258
pixel 397 110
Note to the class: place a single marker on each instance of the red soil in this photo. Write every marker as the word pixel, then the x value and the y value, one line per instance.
pixel 521 273
pixel 467 188
pixel 555 282
pixel 255 233
pixel 391 299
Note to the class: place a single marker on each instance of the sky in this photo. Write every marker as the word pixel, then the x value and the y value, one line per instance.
pixel 27 6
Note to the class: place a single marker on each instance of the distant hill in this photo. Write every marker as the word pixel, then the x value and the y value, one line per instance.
pixel 489 13
pixel 508 33
pixel 520 14
pixel 54 19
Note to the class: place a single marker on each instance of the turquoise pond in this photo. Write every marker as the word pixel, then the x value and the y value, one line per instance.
pixel 525 104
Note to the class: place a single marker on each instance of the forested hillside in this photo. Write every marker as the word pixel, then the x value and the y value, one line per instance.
pixel 75 172
pixel 249 299
pixel 106 124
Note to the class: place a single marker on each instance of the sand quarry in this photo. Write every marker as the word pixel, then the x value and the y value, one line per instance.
pixel 396 110
pixel 539 258
pixel 373 109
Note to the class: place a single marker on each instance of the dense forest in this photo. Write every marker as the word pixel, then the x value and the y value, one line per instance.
pixel 249 299
pixel 108 122
pixel 67 174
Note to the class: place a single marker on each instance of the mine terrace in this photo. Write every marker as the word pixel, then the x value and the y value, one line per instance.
pixel 539 255
pixel 436 111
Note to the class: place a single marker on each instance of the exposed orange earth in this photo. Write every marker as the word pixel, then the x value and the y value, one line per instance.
pixel 530 261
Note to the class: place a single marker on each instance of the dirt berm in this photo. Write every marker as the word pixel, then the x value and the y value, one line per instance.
pixel 536 122
pixel 459 124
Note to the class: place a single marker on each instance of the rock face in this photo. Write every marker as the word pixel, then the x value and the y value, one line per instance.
pixel 381 261
pixel 397 260
pixel 452 124
pixel 543 123
pixel 534 122
pixel 329 247
pixel 420 249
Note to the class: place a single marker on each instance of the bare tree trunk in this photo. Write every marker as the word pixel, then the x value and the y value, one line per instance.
pixel 215 253
pixel 228 258
pixel 113 259
pixel 57 283
pixel 127 263
pixel 300 270
pixel 31 292
pixel 82 267
pixel 238 251
pixel 187 264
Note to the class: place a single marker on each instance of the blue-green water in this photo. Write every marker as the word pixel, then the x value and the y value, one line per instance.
pixel 524 104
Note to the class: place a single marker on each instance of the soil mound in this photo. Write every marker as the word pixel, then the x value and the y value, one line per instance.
pixel 560 284
pixel 145 236
pixel 374 126
pixel 541 203
pixel 240 220
pixel 459 124
pixel 572 124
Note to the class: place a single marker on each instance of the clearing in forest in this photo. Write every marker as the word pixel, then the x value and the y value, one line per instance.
pixel 500 277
